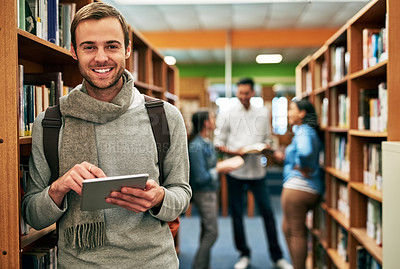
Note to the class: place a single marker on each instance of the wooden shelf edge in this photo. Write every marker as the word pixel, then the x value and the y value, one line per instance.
pixel 376 69
pixel 337 173
pixel 339 217
pixel 34 235
pixel 369 243
pixel 337 259
pixel 335 129
pixel 367 191
pixel 367 133
pixel 24 140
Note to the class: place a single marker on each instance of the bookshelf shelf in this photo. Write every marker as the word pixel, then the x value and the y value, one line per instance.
pixel 337 259
pixel 37 55
pixel 341 82
pixel 377 70
pixel 34 235
pixel 334 129
pixel 338 174
pixel 25 140
pixel 368 134
pixel 339 217
pixel 367 191
pixel 361 236
pixel 361 92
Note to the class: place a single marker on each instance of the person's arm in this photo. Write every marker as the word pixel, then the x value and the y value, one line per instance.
pixel 200 173
pixel 38 208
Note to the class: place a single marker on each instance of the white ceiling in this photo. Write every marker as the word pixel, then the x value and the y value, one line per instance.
pixel 284 14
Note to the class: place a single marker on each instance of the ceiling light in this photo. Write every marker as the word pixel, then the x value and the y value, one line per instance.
pixel 269 58
pixel 170 60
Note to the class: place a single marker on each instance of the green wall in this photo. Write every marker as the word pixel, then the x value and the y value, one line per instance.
pixel 238 70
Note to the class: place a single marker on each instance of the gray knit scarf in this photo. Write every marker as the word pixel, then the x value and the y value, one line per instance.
pixel 85 230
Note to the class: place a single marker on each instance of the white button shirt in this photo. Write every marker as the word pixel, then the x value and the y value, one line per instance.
pixel 239 127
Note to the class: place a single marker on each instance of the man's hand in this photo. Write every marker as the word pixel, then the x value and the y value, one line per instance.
pixel 72 180
pixel 138 200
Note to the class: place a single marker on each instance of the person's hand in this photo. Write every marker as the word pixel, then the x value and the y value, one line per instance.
pixel 305 171
pixel 72 180
pixel 279 156
pixel 138 200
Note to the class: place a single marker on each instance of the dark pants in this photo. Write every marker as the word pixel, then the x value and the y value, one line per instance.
pixel 259 188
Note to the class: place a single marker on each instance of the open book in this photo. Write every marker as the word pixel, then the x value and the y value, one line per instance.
pixel 255 148
pixel 230 164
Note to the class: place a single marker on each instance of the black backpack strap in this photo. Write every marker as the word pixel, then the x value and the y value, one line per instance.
pixel 159 125
pixel 51 129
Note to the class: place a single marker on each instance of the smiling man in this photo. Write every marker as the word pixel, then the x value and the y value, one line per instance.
pixel 109 113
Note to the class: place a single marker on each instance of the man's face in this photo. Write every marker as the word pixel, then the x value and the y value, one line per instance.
pixel 101 53
pixel 244 93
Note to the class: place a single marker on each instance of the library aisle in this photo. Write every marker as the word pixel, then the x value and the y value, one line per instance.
pixel 224 254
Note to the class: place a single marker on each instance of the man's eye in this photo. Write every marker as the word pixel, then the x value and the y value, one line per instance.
pixel 113 47
pixel 88 48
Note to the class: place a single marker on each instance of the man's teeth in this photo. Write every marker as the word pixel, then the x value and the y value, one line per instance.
pixel 102 70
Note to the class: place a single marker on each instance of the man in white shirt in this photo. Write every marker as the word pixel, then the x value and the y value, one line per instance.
pixel 241 126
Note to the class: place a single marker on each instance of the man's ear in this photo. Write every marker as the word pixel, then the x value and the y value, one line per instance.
pixel 72 50
pixel 128 50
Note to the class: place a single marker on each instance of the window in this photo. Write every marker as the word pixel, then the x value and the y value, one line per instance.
pixel 279 115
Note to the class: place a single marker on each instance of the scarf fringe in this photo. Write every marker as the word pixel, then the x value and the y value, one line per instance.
pixel 85 236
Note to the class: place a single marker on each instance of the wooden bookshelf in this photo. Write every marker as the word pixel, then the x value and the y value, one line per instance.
pixel 358 75
pixel 18 47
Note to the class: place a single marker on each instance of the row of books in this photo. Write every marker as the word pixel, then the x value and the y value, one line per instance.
pixel 321 74
pixel 341 244
pixel 339 109
pixel 373 109
pixel 47 19
pixel 372 166
pixel 374 220
pixel 40 257
pixel 340 59
pixel 340 153
pixel 343 200
pixel 365 260
pixel 374 45
pixel 37 91
pixel 24 172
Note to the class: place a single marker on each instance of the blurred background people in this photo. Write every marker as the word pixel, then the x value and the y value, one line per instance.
pixel 241 126
pixel 303 185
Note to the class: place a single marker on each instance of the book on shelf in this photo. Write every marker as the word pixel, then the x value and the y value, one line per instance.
pixel 52 80
pixel 365 259
pixel 374 46
pixel 372 166
pixel 67 13
pixel 324 112
pixel 340 153
pixel 364 105
pixel 343 200
pixel 52 22
pixel 343 111
pixel 342 243
pixel 339 62
pixel 383 107
pixel 374 220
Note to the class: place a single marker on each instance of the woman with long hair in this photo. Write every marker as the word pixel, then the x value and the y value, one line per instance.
pixel 303 185
pixel 205 184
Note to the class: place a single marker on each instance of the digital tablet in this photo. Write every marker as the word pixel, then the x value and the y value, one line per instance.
pixel 95 191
